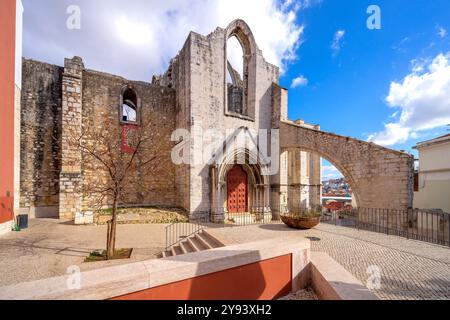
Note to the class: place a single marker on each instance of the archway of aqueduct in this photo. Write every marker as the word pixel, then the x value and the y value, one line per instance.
pixel 379 177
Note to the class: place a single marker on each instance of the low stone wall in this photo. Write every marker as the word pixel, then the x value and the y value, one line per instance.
pixel 331 281
pixel 262 280
pixel 261 270
pixel 261 259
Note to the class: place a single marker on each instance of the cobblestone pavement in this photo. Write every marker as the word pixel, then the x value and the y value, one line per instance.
pixel 305 294
pixel 409 269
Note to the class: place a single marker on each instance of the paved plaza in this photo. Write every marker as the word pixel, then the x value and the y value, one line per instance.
pixel 409 269
pixel 49 246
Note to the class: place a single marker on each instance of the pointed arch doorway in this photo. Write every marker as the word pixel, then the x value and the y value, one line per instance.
pixel 237 190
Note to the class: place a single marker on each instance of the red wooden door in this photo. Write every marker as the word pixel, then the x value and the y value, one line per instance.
pixel 237 190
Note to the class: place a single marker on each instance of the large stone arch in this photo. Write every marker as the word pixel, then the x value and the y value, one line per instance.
pixel 380 177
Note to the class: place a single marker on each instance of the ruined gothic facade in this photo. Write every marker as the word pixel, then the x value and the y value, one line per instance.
pixel 200 89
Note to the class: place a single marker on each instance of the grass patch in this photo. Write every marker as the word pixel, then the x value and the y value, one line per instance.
pixel 98 255
pixel 143 215
pixel 311 214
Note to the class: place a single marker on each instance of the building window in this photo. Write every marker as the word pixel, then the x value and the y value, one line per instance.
pixel 240 71
pixel 129 106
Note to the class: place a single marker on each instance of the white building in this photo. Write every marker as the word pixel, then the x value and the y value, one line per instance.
pixel 434 174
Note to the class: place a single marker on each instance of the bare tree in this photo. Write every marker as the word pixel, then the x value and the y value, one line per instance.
pixel 112 154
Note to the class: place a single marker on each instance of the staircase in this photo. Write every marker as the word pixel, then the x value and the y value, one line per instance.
pixel 198 242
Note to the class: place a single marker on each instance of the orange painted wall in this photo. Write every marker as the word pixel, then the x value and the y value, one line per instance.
pixel 264 280
pixel 7 60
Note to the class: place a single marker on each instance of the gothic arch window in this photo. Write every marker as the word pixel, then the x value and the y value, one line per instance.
pixel 240 71
pixel 236 78
pixel 129 108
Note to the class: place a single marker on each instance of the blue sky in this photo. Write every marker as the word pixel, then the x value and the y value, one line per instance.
pixel 390 85
pixel 346 91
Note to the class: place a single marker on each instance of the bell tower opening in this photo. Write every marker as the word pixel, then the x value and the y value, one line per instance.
pixel 236 77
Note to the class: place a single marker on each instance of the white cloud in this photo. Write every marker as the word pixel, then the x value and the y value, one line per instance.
pixel 130 32
pixel 442 32
pixel 276 31
pixel 330 172
pixel 300 81
pixel 153 31
pixel 337 39
pixel 423 98
pixel 393 133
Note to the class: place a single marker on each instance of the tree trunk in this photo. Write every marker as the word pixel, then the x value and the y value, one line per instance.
pixel 108 232
pixel 111 244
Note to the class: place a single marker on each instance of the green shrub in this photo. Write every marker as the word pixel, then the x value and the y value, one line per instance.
pixel 311 213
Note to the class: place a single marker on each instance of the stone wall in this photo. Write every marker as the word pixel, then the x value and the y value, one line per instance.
pixel 40 138
pixel 58 102
pixel 152 185
pixel 208 100
pixel 71 179
pixel 178 77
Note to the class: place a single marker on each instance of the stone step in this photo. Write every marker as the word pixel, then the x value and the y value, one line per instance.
pixel 208 241
pixel 186 246
pixel 198 242
pixel 195 244
pixel 203 241
pixel 182 248
pixel 178 250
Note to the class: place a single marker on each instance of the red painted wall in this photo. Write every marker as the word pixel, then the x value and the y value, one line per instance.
pixel 7 60
pixel 264 280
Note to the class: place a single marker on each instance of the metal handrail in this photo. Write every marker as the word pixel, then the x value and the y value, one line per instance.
pixel 179 231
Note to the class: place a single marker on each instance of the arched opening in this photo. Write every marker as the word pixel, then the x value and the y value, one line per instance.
pixel 129 106
pixel 337 194
pixel 314 182
pixel 240 190
pixel 236 76
pixel 240 61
